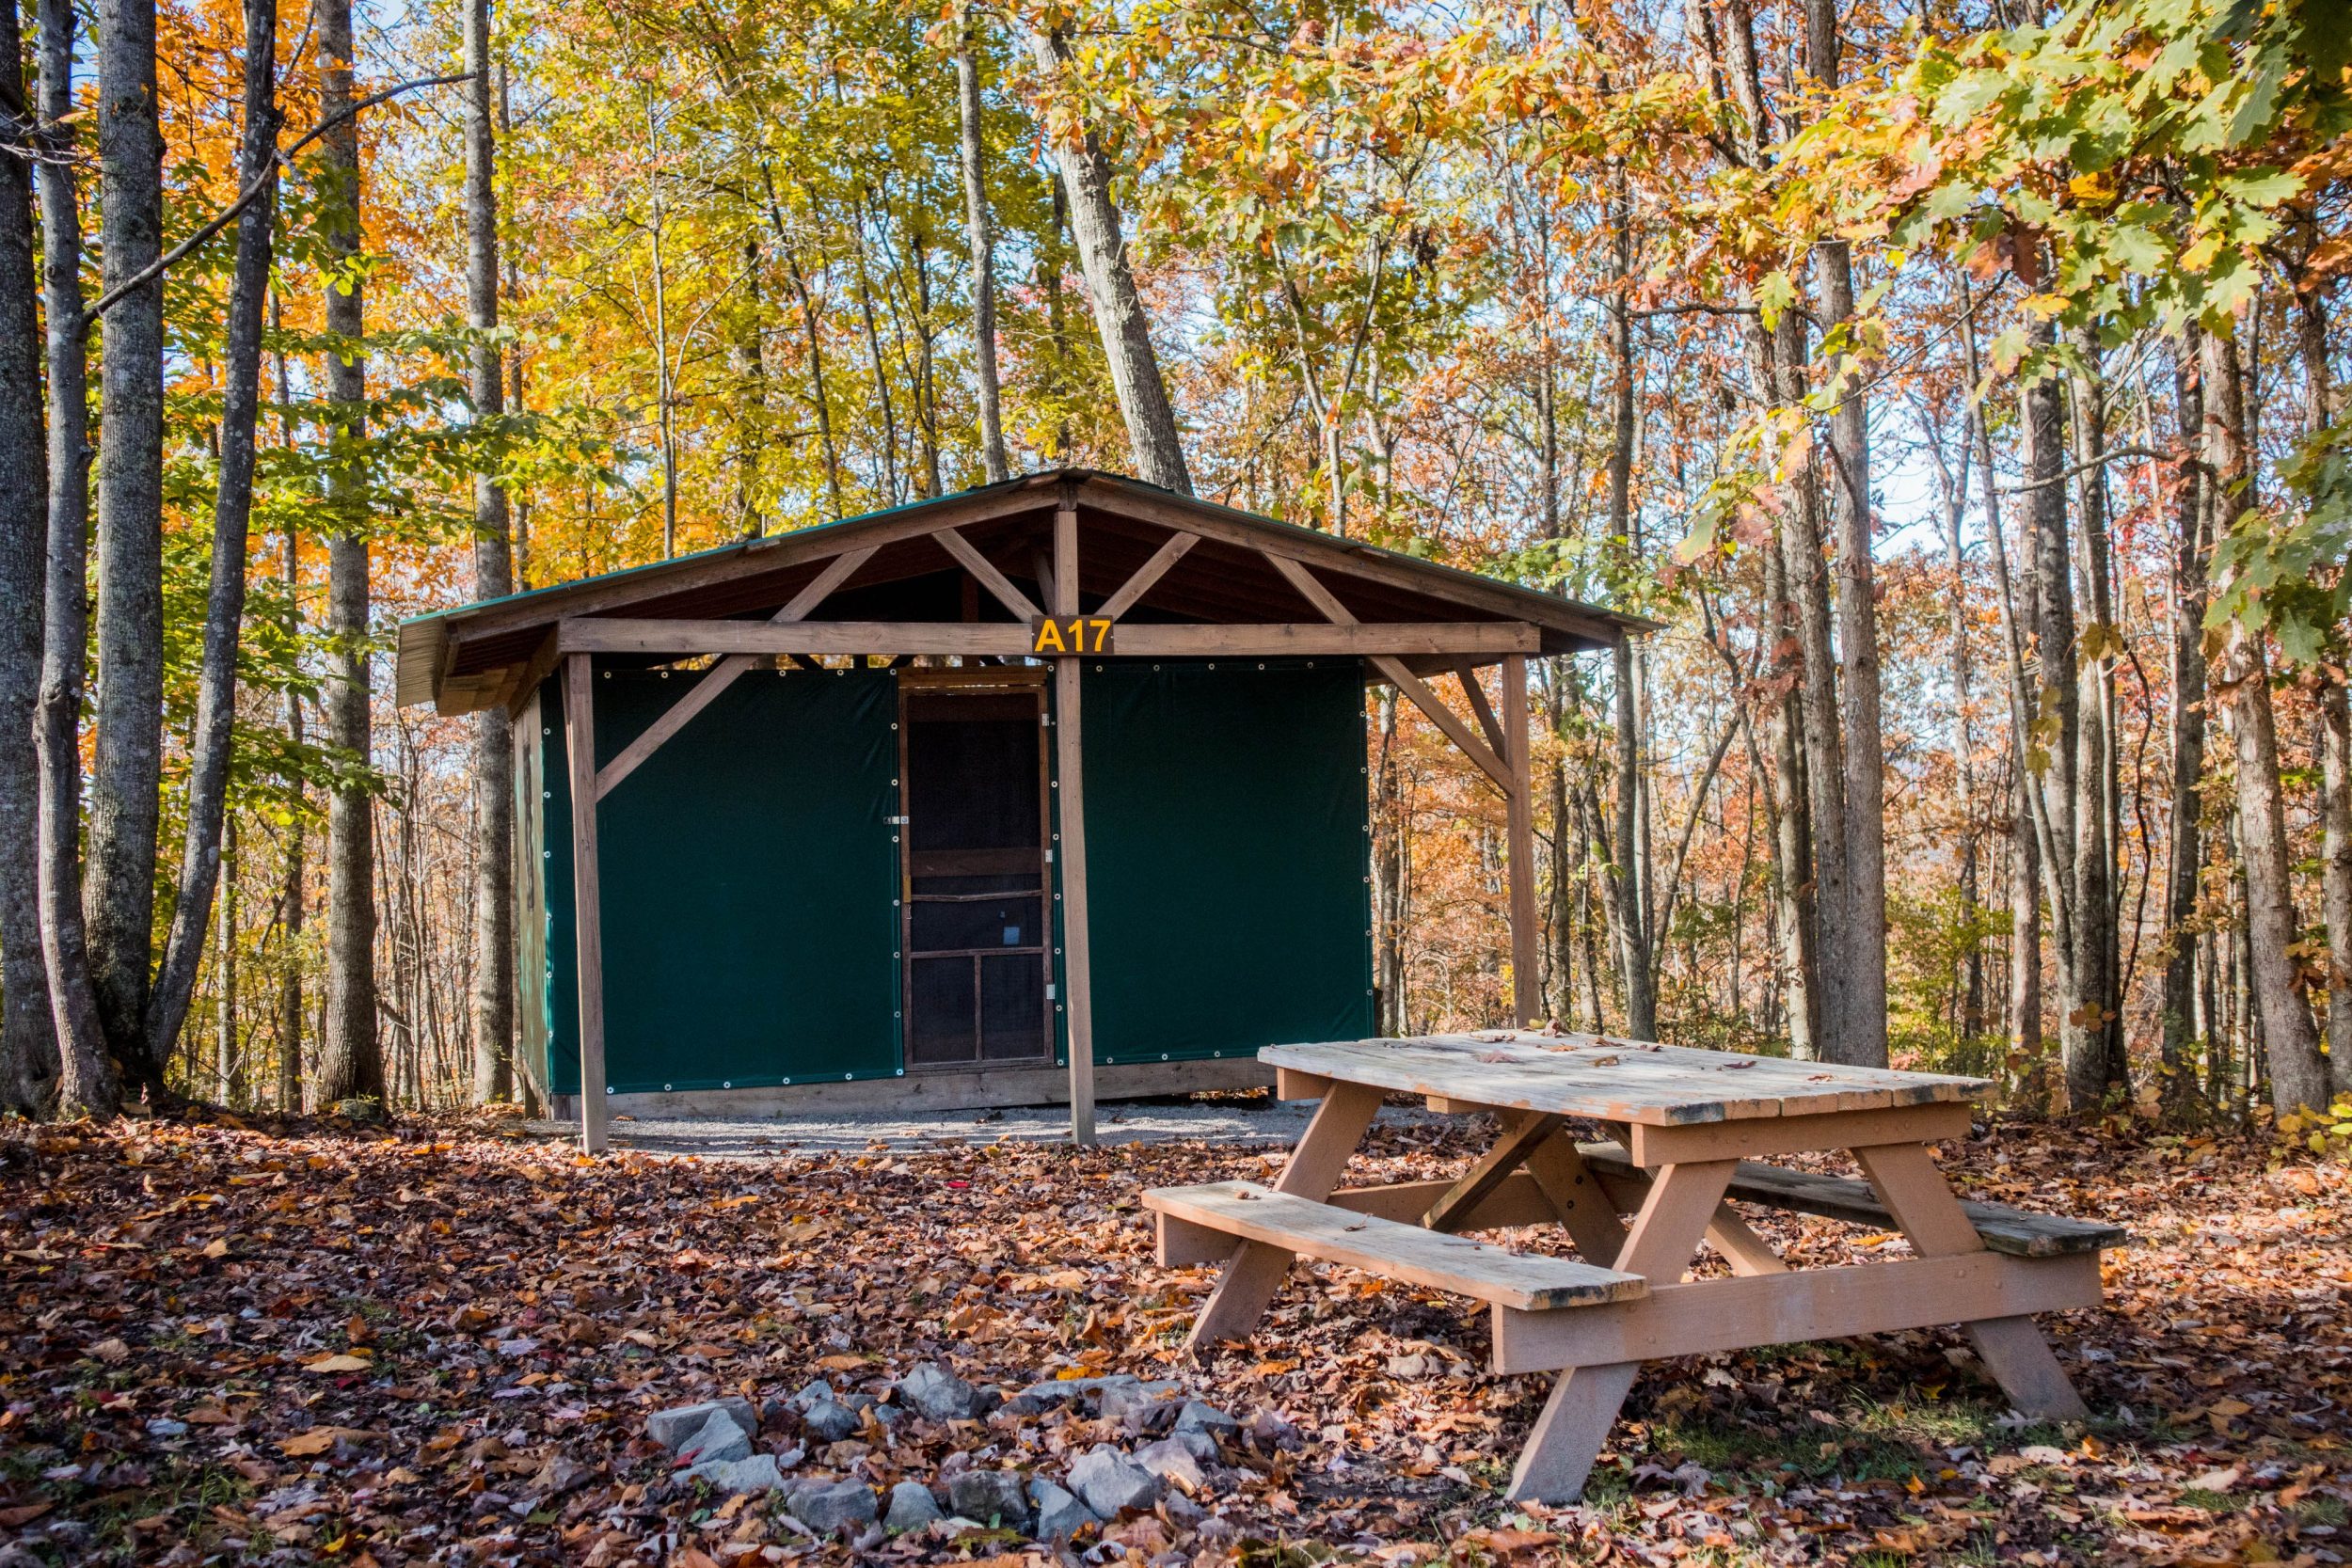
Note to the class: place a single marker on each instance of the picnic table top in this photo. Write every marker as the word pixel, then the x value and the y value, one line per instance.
pixel 1607 1079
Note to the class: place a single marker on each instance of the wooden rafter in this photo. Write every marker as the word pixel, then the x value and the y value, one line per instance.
pixel 1146 574
pixel 1007 640
pixel 1406 682
pixel 723 673
pixel 1475 690
pixel 990 578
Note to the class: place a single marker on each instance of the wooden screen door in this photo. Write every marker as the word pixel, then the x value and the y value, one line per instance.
pixel 976 895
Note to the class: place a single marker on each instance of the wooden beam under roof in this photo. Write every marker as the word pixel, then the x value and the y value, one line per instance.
pixel 1129 640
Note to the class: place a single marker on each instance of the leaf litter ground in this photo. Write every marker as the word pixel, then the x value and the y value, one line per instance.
pixel 323 1344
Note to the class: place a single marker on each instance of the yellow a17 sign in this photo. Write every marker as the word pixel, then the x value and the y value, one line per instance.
pixel 1070 634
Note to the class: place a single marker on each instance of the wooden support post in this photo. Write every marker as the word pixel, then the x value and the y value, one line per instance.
pixel 579 747
pixel 1077 979
pixel 1527 988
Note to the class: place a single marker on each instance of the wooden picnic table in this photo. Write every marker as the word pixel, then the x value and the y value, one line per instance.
pixel 1691 1129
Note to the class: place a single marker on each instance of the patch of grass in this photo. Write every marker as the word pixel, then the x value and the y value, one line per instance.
pixel 196 1487
pixel 2322 1509
pixel 2212 1502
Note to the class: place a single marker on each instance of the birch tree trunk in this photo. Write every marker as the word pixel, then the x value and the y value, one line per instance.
pixel 86 1078
pixel 493 577
pixel 980 236
pixel 127 757
pixel 232 511
pixel 28 1038
pixel 351 1057
pixel 1152 432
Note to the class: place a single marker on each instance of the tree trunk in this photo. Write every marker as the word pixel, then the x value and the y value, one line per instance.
pixel 1388 869
pixel 2178 1093
pixel 227 1065
pixel 28 1038
pixel 232 511
pixel 1858 951
pixel 2094 1044
pixel 1152 432
pixel 86 1079
pixel 2298 1073
pixel 351 1057
pixel 979 234
pixel 2025 930
pixel 2335 877
pixel 127 758
pixel 493 577
pixel 291 1010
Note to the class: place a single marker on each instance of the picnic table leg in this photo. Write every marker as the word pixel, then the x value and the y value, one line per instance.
pixel 1256 1269
pixel 1567 1436
pixel 1586 1209
pixel 2013 1349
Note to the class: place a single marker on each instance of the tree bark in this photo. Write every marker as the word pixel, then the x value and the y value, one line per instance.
pixel 127 756
pixel 2298 1073
pixel 28 1038
pixel 979 235
pixel 1151 419
pixel 351 1057
pixel 86 1081
pixel 1859 952
pixel 2335 877
pixel 293 897
pixel 493 577
pixel 2178 1093
pixel 232 511
pixel 2094 1040
pixel 2056 715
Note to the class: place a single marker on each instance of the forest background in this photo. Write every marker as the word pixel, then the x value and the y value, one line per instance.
pixel 1958 384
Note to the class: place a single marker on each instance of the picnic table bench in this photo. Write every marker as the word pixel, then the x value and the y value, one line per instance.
pixel 1691 1129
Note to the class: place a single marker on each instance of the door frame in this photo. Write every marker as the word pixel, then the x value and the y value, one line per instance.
pixel 987 680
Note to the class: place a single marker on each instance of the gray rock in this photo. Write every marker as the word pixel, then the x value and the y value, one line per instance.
pixel 1109 1482
pixel 830 1423
pixel 671 1428
pixel 1269 1432
pixel 1041 1397
pixel 1174 1463
pixel 813 1395
pixel 912 1506
pixel 720 1438
pixel 826 1506
pixel 1198 1444
pixel 937 1394
pixel 1196 1416
pixel 889 1414
pixel 1142 1408
pixel 757 1474
pixel 1059 1515
pixel 990 1494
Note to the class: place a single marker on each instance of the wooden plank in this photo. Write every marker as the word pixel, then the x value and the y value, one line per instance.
pixel 1566 1437
pixel 2011 1347
pixel 1432 1258
pixel 998 585
pixel 1615 1080
pixel 1445 719
pixel 722 675
pixel 536 670
pixel 1474 691
pixel 1257 1269
pixel 939 1090
pixel 1509 1152
pixel 579 745
pixel 1586 1208
pixel 1518 1199
pixel 1300 1085
pixel 1710 1315
pixel 686 639
pixel 1801 1134
pixel 1277 640
pixel 1518 748
pixel 1665 1232
pixel 2013 1231
pixel 1069 757
pixel 1137 586
pixel 1350 559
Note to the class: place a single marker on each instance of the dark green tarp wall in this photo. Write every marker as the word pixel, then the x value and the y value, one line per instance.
pixel 749 936
pixel 1227 856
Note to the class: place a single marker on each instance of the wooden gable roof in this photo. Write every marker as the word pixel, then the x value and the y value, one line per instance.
pixel 1240 569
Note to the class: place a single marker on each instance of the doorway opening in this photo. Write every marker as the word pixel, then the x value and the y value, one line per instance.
pixel 976 903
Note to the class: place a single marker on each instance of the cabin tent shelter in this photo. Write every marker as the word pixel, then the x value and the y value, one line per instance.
pixel 1050 790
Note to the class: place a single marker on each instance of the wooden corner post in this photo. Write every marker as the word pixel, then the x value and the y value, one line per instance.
pixel 1527 983
pixel 1069 755
pixel 579 747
